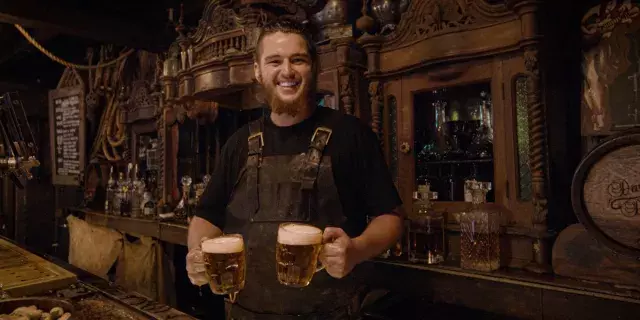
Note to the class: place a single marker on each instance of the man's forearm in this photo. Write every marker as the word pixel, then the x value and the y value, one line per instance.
pixel 382 233
pixel 200 228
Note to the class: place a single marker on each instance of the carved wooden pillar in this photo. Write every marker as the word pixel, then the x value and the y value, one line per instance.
pixel 346 93
pixel 527 11
pixel 346 74
pixel 371 45
pixel 375 94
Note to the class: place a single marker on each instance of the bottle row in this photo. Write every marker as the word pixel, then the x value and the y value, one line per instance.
pixel 425 238
pixel 135 195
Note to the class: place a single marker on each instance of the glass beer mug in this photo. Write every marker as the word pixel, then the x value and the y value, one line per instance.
pixel 297 252
pixel 225 267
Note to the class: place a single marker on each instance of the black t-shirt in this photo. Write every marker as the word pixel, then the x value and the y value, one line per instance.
pixel 363 181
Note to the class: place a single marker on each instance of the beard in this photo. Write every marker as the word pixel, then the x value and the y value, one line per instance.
pixel 290 107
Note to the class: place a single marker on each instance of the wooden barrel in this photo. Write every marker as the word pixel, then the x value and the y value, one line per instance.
pixel 605 192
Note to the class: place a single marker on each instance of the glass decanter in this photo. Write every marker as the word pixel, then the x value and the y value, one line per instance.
pixel 479 232
pixel 426 235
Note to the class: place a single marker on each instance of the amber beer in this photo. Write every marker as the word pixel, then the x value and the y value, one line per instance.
pixel 224 262
pixel 297 253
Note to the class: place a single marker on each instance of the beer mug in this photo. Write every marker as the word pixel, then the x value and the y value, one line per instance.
pixel 297 252
pixel 224 263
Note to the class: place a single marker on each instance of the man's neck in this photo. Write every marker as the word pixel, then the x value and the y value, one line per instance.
pixel 287 120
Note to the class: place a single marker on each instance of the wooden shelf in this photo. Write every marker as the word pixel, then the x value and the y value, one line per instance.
pixel 163 231
pixel 528 279
pixel 450 162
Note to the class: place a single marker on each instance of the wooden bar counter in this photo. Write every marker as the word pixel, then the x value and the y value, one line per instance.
pixel 508 293
pixel 93 297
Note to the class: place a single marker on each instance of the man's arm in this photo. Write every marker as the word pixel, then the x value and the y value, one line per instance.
pixel 380 197
pixel 209 218
pixel 198 229
pixel 371 184
pixel 382 233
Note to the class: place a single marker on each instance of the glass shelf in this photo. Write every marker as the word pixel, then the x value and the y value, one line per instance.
pixel 454 138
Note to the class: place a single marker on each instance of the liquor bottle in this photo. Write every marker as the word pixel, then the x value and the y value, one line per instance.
pixel 186 196
pixel 117 201
pixel 136 194
pixel 125 201
pixel 480 233
pixel 426 235
pixel 149 208
pixel 199 189
pixel 111 193
pixel 151 183
pixel 468 183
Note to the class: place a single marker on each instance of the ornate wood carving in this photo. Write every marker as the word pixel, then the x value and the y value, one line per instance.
pixel 375 94
pixel 346 91
pixel 537 139
pixel 429 18
pixel 142 103
pixel 435 31
pixel 458 36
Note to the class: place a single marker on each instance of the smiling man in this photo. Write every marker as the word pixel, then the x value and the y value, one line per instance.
pixel 299 163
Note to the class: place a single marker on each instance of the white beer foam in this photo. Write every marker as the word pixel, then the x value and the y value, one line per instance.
pixel 223 245
pixel 300 235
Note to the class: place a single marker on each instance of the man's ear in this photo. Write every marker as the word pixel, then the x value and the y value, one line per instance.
pixel 256 72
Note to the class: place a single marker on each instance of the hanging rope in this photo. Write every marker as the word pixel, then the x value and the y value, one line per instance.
pixel 66 63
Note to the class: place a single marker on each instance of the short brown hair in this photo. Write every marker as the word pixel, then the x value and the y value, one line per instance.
pixel 287 25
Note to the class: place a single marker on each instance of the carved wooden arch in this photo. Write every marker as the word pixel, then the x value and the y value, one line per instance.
pixel 430 18
pixel 435 31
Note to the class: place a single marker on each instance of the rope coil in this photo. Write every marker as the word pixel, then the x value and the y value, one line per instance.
pixel 65 63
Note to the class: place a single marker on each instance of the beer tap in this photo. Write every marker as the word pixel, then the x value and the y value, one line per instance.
pixel 18 149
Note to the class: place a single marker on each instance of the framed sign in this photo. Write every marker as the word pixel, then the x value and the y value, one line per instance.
pixel 67 119
pixel 611 68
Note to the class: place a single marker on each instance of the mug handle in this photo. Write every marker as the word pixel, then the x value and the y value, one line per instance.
pixel 320 266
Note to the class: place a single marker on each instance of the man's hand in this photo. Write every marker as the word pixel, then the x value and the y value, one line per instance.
pixel 339 254
pixel 195 266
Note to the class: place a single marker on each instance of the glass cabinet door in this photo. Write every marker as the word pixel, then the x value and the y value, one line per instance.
pixel 453 139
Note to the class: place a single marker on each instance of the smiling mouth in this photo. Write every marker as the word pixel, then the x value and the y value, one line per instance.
pixel 288 84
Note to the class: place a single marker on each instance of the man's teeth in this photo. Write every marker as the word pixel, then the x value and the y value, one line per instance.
pixel 288 84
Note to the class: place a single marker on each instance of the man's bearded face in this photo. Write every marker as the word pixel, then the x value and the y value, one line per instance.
pixel 285 72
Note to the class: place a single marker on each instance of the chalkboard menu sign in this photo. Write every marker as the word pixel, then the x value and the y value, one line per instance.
pixel 67 127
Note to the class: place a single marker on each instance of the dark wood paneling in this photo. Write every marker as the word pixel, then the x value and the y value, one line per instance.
pixel 567 306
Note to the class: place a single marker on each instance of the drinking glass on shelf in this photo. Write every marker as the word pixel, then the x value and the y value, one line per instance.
pixel 225 266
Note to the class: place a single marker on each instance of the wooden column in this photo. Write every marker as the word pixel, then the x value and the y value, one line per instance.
pixel 531 40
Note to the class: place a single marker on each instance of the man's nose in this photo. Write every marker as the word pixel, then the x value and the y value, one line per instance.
pixel 287 70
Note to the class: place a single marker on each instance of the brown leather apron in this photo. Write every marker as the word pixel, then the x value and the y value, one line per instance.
pixel 275 189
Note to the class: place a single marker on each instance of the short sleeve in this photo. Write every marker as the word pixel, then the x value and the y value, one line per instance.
pixel 365 185
pixel 377 189
pixel 213 203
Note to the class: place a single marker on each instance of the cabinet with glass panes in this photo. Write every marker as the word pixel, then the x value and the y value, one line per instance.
pixel 459 104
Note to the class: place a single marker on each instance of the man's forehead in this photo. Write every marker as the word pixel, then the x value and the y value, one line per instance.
pixel 283 43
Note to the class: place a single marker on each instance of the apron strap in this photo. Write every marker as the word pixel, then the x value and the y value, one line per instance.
pixel 309 171
pixel 254 157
